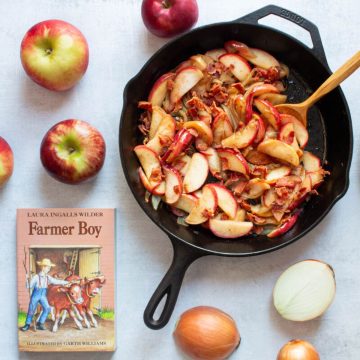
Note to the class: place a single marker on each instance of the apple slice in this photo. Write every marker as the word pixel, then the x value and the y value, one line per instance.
pixel 261 210
pixel 274 99
pixel 221 128
pixel 279 150
pixel 182 141
pixel 156 117
pixel 184 81
pixel 255 188
pixel 164 134
pixel 317 177
pixel 261 129
pixel 226 200
pixel 268 112
pixel 287 135
pixel 158 92
pixel 204 208
pixel 285 227
pixel 301 134
pixel 213 159
pixel 303 192
pixel 240 215
pixel 233 46
pixel 182 163
pixel 186 202
pixel 234 161
pixel 278 173
pixel 268 198
pixel 239 107
pixel 230 229
pixel 237 65
pixel 263 59
pixel 196 174
pixel 150 163
pixel 215 53
pixel 156 188
pixel 242 138
pixel 173 184
pixel 257 158
pixel 270 133
pixel 203 130
pixel 311 162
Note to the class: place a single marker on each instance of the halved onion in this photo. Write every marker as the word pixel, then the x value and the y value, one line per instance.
pixel 305 290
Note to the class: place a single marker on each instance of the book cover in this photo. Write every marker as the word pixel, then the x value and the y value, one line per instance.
pixel 66 279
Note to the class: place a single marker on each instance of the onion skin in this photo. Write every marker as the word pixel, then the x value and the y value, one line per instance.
pixel 298 350
pixel 206 333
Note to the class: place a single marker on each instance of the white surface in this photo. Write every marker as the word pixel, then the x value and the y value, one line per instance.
pixel 119 46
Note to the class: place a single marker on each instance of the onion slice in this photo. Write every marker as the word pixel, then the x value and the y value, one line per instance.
pixel 305 290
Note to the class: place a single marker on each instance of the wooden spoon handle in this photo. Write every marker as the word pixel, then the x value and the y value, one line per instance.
pixel 335 79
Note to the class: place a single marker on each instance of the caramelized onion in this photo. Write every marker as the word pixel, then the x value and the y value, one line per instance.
pixel 206 333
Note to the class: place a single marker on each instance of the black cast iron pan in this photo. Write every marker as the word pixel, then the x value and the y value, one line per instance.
pixel 330 138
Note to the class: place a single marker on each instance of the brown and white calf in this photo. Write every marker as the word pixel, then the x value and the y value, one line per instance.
pixel 89 289
pixel 62 298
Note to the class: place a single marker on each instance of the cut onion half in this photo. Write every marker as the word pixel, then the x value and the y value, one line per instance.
pixel 305 290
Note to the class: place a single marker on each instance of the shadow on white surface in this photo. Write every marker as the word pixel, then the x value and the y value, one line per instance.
pixel 40 99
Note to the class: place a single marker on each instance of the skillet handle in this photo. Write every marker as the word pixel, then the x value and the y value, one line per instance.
pixel 170 285
pixel 255 16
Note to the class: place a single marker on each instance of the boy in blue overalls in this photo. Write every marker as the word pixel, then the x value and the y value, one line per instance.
pixel 39 284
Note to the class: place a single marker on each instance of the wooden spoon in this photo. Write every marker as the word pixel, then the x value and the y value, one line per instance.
pixel 300 110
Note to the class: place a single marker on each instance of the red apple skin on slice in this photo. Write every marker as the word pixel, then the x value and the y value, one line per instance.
pixel 279 150
pixel 275 174
pixel 205 207
pixel 285 227
pixel 237 65
pixel 274 99
pixel 301 134
pixel 184 81
pixel 317 177
pixel 173 184
pixel 153 188
pixel 158 92
pixel 233 46
pixel 203 130
pixel 263 59
pixel 150 163
pixel 234 161
pixel 214 162
pixel 196 174
pixel 268 112
pixel 230 229
pixel 221 128
pixel 215 53
pixel 261 129
pixel 156 117
pixel 226 200
pixel 164 135
pixel 311 162
pixel 242 138
pixel 182 141
pixel 186 202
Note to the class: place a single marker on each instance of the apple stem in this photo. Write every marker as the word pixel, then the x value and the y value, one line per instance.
pixel 166 4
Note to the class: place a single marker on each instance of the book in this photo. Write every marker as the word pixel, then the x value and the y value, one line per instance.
pixel 66 279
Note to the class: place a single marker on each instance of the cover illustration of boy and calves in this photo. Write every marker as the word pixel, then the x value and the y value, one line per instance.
pixel 66 279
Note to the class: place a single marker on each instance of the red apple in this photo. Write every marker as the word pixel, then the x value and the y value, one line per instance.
pixel 6 161
pixel 167 18
pixel 72 151
pixel 54 54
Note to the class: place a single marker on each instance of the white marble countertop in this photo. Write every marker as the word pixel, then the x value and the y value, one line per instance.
pixel 119 46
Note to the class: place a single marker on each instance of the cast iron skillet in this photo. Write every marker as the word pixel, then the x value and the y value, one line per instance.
pixel 330 138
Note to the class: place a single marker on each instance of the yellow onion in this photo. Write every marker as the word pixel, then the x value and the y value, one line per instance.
pixel 305 290
pixel 206 333
pixel 298 350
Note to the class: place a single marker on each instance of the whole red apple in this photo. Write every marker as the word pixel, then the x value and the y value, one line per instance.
pixel 167 18
pixel 54 54
pixel 72 151
pixel 6 161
